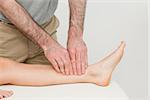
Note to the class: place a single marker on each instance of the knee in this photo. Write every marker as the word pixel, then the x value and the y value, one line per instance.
pixel 4 63
pixel 4 70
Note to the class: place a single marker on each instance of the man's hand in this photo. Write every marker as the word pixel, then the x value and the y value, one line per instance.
pixel 55 53
pixel 78 52
pixel 76 46
pixel 59 57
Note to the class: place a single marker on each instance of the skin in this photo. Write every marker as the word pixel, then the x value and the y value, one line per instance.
pixel 55 53
pixel 72 60
pixel 40 75
pixel 76 45
pixel 5 94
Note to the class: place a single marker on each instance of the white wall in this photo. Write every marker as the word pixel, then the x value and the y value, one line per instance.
pixel 107 23
pixel 149 48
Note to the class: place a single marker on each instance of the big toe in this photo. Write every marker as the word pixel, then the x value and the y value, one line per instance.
pixel 122 45
pixel 120 48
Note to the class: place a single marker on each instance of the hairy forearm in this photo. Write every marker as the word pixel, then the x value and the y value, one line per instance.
pixel 24 22
pixel 77 14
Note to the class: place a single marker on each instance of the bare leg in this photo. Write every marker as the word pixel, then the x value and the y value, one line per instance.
pixel 40 75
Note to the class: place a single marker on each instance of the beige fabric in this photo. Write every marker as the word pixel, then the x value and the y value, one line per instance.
pixel 14 45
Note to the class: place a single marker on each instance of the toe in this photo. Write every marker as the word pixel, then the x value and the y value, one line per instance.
pixel 121 47
pixel 11 92
pixel 1 96
pixel 123 44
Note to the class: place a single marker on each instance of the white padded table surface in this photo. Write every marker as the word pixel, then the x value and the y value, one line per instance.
pixel 67 92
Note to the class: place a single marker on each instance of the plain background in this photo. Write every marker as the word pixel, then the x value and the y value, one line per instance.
pixel 149 47
pixel 107 23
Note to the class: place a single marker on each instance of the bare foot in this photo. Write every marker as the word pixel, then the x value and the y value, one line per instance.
pixel 102 71
pixel 5 94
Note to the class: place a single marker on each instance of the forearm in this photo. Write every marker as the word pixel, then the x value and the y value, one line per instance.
pixel 24 22
pixel 77 14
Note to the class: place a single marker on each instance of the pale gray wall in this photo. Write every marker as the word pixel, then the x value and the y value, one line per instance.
pixel 149 47
pixel 107 23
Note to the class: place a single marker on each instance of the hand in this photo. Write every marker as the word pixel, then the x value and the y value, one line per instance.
pixel 59 57
pixel 78 53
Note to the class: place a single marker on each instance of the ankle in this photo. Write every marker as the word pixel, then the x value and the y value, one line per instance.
pixel 101 77
pixel 91 75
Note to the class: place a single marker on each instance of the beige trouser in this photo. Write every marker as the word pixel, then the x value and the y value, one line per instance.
pixel 14 45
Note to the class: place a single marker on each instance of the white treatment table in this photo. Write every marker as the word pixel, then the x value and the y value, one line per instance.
pixel 82 91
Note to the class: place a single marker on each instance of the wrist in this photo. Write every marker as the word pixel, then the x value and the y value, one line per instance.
pixel 46 43
pixel 75 32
